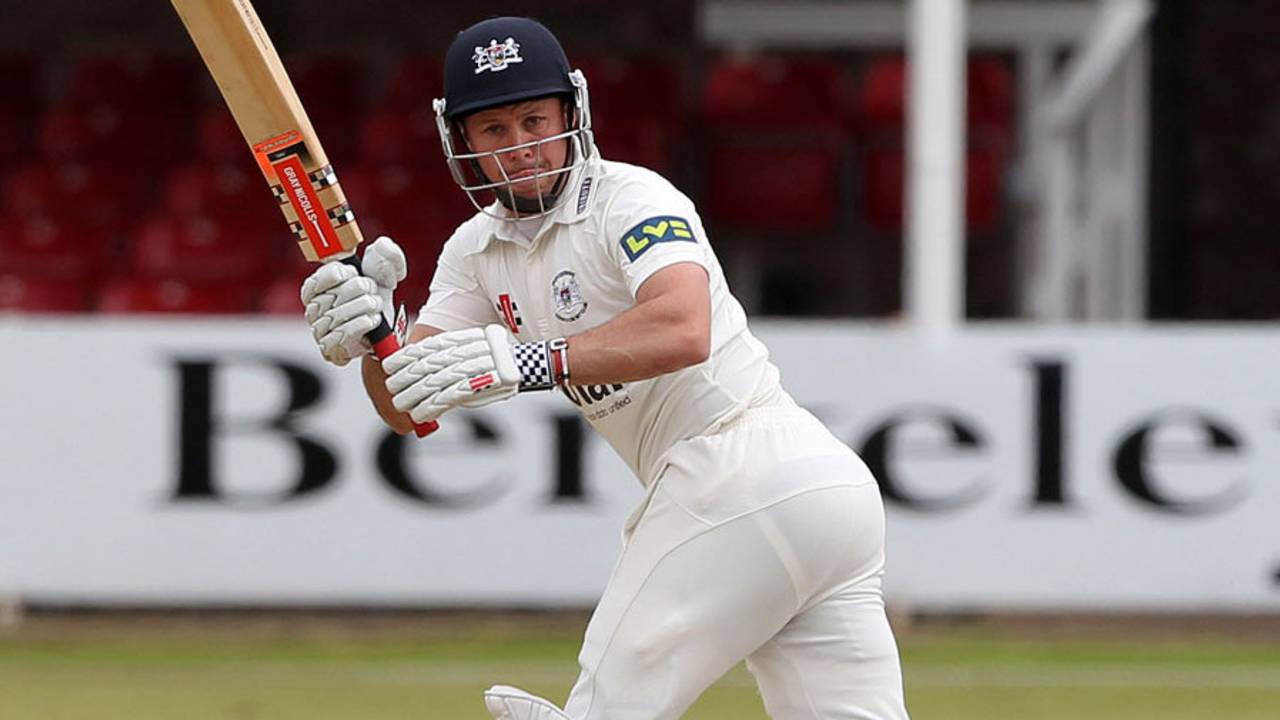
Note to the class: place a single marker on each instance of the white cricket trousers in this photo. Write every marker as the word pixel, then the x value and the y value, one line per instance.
pixel 764 541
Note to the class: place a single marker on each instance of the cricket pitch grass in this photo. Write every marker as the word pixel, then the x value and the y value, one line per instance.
pixel 379 666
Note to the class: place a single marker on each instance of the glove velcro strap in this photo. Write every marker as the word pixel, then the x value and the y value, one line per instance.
pixel 542 364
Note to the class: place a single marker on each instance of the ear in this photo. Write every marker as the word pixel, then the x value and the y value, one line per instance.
pixel 569 112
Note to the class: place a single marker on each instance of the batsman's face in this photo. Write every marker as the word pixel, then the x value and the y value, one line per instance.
pixel 519 126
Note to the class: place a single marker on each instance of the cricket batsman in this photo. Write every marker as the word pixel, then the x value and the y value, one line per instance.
pixel 760 536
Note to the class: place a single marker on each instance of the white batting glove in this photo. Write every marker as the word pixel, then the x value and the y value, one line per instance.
pixel 343 305
pixel 471 368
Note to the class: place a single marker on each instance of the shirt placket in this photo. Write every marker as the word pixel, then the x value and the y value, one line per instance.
pixel 538 288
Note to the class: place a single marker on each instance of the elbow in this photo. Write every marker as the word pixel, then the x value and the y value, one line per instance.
pixel 700 346
pixel 692 348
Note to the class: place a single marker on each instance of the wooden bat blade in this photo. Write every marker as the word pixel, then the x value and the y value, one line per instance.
pixel 248 71
pixel 253 82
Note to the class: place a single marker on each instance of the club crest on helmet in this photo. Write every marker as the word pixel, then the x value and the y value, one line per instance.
pixel 497 57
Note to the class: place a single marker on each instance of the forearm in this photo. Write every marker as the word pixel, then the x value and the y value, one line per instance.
pixel 375 384
pixel 650 339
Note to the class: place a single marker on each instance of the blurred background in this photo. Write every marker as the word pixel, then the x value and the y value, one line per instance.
pixel 1017 291
pixel 789 132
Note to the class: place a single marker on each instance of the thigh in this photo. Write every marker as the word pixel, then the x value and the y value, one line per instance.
pixel 688 600
pixel 837 658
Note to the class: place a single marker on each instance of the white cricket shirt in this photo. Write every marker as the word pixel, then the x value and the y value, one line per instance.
pixel 616 225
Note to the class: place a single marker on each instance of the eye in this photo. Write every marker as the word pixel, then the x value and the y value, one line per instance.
pixel 535 121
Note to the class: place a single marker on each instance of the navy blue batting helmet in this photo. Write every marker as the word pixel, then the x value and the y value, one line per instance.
pixel 500 61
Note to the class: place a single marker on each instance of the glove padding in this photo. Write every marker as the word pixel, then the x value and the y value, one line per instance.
pixel 343 305
pixel 460 368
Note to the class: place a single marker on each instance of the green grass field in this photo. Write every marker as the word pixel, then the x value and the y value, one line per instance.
pixel 282 670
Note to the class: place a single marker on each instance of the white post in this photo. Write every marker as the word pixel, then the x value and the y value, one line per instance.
pixel 934 261
pixel 1053 283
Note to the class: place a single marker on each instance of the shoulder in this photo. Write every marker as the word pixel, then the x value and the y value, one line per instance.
pixel 631 184
pixel 630 193
pixel 631 196
pixel 639 210
pixel 469 238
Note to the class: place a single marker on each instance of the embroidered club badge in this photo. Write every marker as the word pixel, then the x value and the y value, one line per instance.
pixel 498 56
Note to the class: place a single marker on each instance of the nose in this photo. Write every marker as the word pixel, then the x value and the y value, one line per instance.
pixel 521 137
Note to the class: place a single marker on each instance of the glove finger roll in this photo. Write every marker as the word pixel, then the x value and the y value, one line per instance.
pixel 446 340
pixel 327 277
pixel 359 306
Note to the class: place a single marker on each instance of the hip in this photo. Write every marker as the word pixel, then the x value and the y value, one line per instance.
pixel 759 457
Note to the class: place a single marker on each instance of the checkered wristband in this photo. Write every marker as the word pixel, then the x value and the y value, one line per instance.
pixel 543 364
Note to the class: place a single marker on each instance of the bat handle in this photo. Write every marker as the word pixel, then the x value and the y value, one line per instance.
pixel 385 343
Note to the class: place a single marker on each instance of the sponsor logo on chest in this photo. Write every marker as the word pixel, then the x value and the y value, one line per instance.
pixel 566 296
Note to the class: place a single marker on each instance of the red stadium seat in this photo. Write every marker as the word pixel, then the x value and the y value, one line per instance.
pixel 117 134
pixel 339 133
pixel 426 189
pixel 39 294
pixel 775 143
pixel 328 83
pixel 402 137
pixel 881 116
pixel 618 85
pixel 881 102
pixel 201 248
pixel 884 174
pixel 776 93
pixel 158 83
pixel 984 186
pixel 773 188
pixel 106 197
pixel 619 80
pixel 639 141
pixel 282 297
pixel 231 192
pixel 991 95
pixel 218 137
pixel 46 248
pixel 647 138
pixel 140 295
pixel 415 81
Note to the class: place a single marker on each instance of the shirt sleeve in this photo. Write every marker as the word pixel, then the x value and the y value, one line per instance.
pixel 650 227
pixel 457 300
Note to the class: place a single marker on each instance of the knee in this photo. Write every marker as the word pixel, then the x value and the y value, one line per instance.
pixel 652 648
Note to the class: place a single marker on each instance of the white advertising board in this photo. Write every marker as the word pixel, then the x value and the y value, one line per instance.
pixel 219 461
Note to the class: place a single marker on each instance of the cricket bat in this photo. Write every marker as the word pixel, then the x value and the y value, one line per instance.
pixel 253 81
